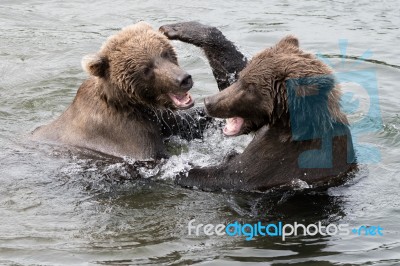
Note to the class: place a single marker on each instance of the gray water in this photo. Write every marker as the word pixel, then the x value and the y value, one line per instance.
pixel 62 207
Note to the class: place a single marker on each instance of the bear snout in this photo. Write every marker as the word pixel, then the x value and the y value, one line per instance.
pixel 185 81
pixel 210 103
pixel 224 104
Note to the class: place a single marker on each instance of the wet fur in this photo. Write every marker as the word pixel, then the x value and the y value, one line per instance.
pixel 119 109
pixel 271 159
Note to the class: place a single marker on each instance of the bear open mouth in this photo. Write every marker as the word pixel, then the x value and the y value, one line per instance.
pixel 182 101
pixel 233 126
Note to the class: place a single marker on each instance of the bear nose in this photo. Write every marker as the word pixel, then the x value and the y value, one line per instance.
pixel 208 103
pixel 185 82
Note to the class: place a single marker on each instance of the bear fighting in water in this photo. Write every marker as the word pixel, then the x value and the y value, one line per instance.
pixel 289 99
pixel 285 95
pixel 123 108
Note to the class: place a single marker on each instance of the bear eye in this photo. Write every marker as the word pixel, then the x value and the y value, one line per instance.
pixel 251 87
pixel 147 71
pixel 165 54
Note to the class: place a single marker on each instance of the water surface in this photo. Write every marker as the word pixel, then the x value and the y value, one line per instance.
pixel 58 207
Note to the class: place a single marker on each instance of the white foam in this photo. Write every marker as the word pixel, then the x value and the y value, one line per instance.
pixel 201 153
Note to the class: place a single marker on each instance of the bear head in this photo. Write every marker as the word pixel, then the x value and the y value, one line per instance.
pixel 274 88
pixel 138 66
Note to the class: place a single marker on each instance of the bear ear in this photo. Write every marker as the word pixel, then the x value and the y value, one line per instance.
pixel 144 25
pixel 289 41
pixel 95 65
pixel 141 25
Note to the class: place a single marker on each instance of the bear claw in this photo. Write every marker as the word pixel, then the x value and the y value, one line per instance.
pixel 191 32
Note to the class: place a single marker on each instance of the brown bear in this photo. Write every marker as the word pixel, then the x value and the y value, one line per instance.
pixel 116 111
pixel 290 99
